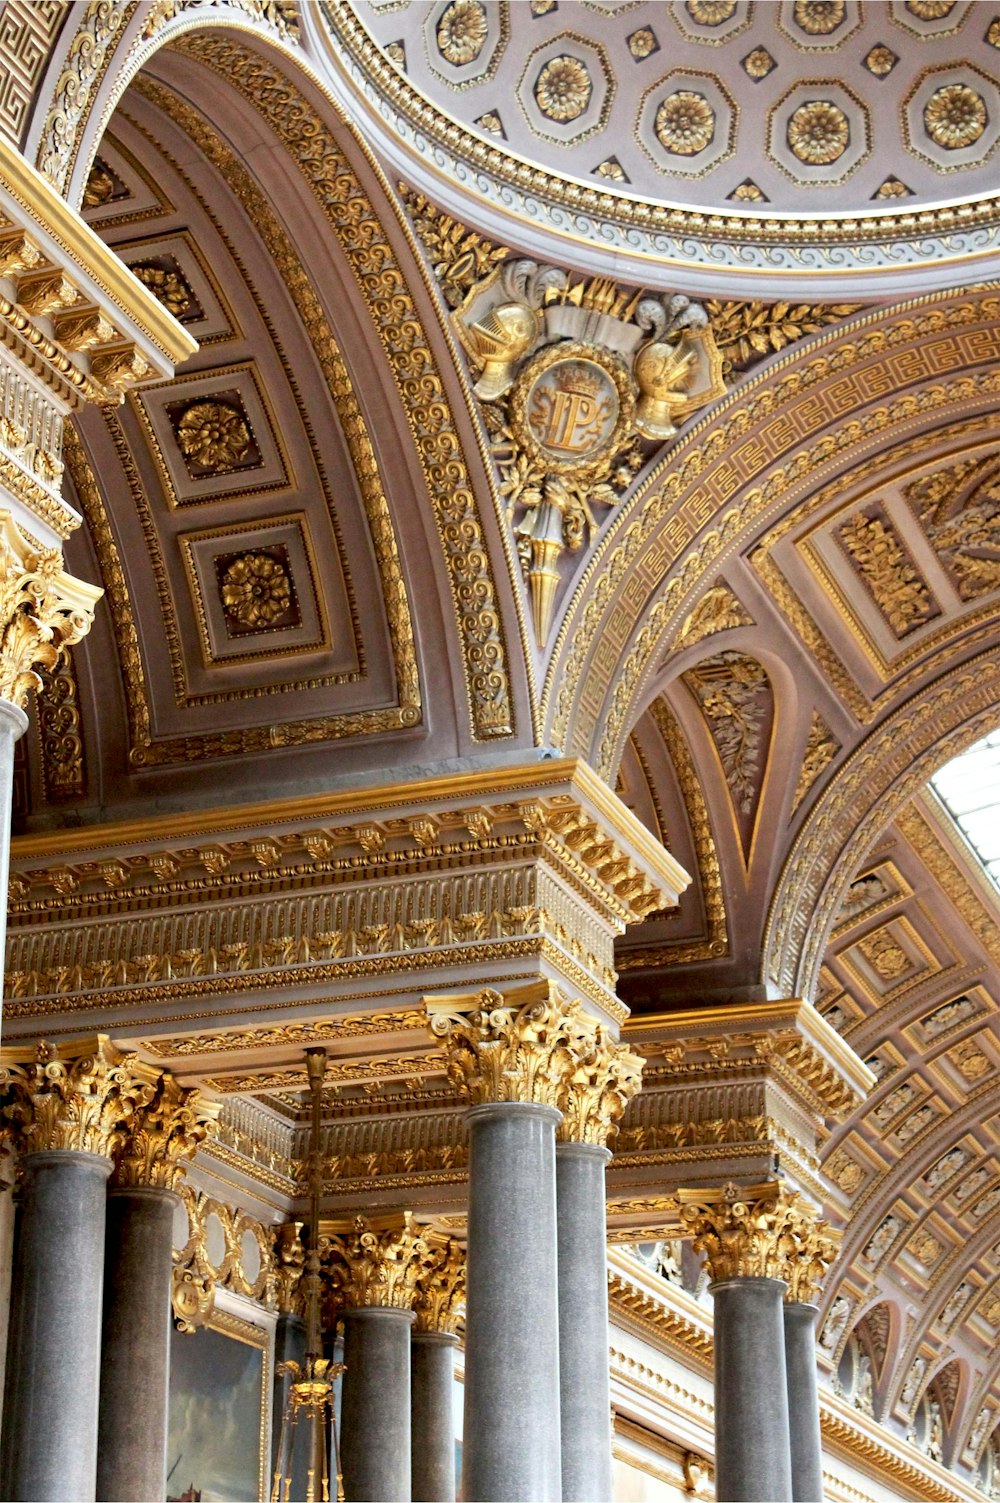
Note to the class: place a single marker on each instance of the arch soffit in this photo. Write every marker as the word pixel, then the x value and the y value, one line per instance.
pixel 258 44
pixel 805 418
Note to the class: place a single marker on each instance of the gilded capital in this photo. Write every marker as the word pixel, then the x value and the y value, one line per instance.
pixel 811 1246
pixel 440 1298
pixel 748 1231
pixel 377 1266
pixel 499 1051
pixel 604 1077
pixel 83 1102
pixel 162 1135
pixel 42 610
pixel 289 1266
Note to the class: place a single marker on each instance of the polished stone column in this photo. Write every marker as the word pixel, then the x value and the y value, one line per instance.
pixel 438 1306
pixel 375 1273
pixel 375 1423
pixel 803 1402
pixel 585 1389
pixel 752 1458
pixel 7 1229
pixel 511 1446
pixel 517 1055
pixel 810 1246
pixel 135 1352
pixel 607 1076
pixel 74 1112
pixel 432 1428
pixel 746 1233
pixel 50 1419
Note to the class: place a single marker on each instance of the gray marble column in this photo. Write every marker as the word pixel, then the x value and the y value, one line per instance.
pixel 13 724
pixel 432 1354
pixel 585 1391
pixel 135 1356
pixel 54 1358
pixel 752 1454
pixel 803 1402
pixel 375 1421
pixel 511 1444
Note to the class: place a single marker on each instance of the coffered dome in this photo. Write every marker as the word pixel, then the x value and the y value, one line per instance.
pixel 623 123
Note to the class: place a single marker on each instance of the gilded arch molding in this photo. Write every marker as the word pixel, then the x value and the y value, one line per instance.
pixel 880 777
pixel 874 380
pixel 122 39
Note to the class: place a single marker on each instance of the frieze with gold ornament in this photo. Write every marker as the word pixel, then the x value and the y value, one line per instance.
pixel 572 378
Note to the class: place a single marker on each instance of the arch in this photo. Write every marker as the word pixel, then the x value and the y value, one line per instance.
pixel 762 450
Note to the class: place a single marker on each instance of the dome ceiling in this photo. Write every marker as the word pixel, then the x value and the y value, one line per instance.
pixel 706 102
pixel 639 112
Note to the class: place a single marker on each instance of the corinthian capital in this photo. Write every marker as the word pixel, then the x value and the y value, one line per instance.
pixel 377 1265
pixel 810 1245
pixel 162 1135
pixel 440 1296
pixel 42 610
pixel 754 1231
pixel 605 1075
pixel 83 1102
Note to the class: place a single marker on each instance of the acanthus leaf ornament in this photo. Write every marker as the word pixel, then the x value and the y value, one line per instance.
pixel 42 610
pixel 571 390
pixel 439 1302
pixel 83 1101
pixel 546 1051
pixel 765 1231
pixel 162 1135
pixel 376 1265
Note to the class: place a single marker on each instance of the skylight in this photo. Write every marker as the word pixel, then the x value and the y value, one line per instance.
pixel 969 788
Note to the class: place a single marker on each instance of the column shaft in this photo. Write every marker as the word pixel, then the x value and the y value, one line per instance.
pixel 135 1357
pixel 585 1391
pixel 50 1424
pixel 375 1427
pixel 433 1432
pixel 803 1402
pixel 752 1460
pixel 511 1445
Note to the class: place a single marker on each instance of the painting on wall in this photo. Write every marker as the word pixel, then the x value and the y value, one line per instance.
pixel 219 1407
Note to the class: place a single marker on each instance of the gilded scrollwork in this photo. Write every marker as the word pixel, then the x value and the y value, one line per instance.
pixel 376 1265
pixel 439 1302
pixel 42 610
pixel 502 1052
pixel 545 1051
pixel 762 1231
pixel 574 377
pixel 196 1275
pixel 83 1100
pixel 162 1135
